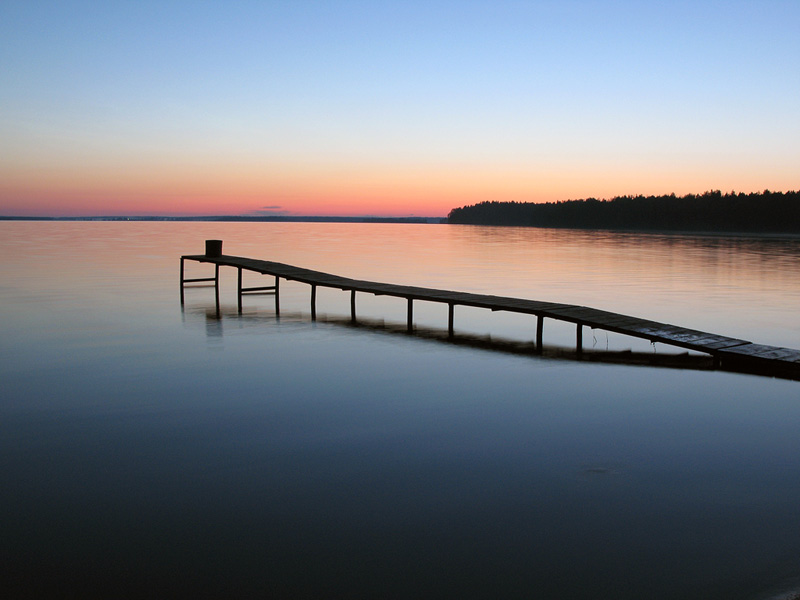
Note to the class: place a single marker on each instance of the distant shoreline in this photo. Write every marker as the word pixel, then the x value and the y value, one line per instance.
pixel 401 220
pixel 711 212
pixel 236 219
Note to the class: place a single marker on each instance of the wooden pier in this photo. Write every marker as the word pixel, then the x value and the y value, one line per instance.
pixel 727 352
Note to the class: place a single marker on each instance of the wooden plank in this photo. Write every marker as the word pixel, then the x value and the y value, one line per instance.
pixel 528 306
pixel 579 314
pixel 686 335
pixel 724 343
pixel 766 352
pixel 707 340
pixel 620 321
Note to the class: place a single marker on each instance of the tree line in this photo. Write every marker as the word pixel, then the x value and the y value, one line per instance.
pixel 713 211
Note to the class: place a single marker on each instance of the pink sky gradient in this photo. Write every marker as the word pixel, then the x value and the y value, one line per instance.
pixel 390 109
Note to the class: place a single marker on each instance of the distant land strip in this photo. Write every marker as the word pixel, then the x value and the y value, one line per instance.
pixel 233 218
pixel 712 211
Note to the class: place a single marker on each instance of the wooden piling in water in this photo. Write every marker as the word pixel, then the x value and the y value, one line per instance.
pixel 239 294
pixel 277 295
pixel 451 307
pixel 539 332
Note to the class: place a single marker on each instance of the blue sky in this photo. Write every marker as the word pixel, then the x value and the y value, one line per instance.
pixel 390 107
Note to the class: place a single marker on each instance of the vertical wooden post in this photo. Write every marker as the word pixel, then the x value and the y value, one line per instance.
pixel 313 301
pixel 240 289
pixel 181 281
pixel 539 333
pixel 450 310
pixel 579 342
pixel 353 306
pixel 410 316
pixel 216 286
pixel 277 296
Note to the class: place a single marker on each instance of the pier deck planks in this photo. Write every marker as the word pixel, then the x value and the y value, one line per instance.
pixel 721 347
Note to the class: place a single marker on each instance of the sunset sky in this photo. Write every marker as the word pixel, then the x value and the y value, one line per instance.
pixel 389 108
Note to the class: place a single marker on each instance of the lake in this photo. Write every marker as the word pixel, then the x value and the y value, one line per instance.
pixel 155 449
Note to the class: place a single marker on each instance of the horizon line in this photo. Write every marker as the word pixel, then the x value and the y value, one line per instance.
pixel 350 218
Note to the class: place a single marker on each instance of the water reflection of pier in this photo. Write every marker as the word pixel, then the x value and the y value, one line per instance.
pixel 728 353
pixel 214 321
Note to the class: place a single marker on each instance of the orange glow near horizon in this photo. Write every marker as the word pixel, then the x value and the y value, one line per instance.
pixel 340 190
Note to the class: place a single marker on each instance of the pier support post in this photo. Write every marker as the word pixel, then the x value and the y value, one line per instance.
pixel 313 301
pixel 239 290
pixel 539 333
pixel 353 306
pixel 277 296
pixel 182 300
pixel 450 315
pixel 216 285
pixel 579 341
pixel 410 316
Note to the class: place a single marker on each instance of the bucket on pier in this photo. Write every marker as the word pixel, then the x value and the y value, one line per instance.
pixel 214 248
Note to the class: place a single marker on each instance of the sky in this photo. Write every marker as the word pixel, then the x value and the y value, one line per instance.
pixel 407 108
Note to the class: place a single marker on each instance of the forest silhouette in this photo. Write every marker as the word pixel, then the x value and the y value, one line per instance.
pixel 712 211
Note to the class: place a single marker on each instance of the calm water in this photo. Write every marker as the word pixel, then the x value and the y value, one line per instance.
pixel 150 450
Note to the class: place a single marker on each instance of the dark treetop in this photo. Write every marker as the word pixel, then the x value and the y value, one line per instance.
pixel 761 212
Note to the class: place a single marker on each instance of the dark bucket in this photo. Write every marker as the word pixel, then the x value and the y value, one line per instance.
pixel 214 248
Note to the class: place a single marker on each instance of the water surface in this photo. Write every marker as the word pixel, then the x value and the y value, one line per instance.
pixel 149 448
